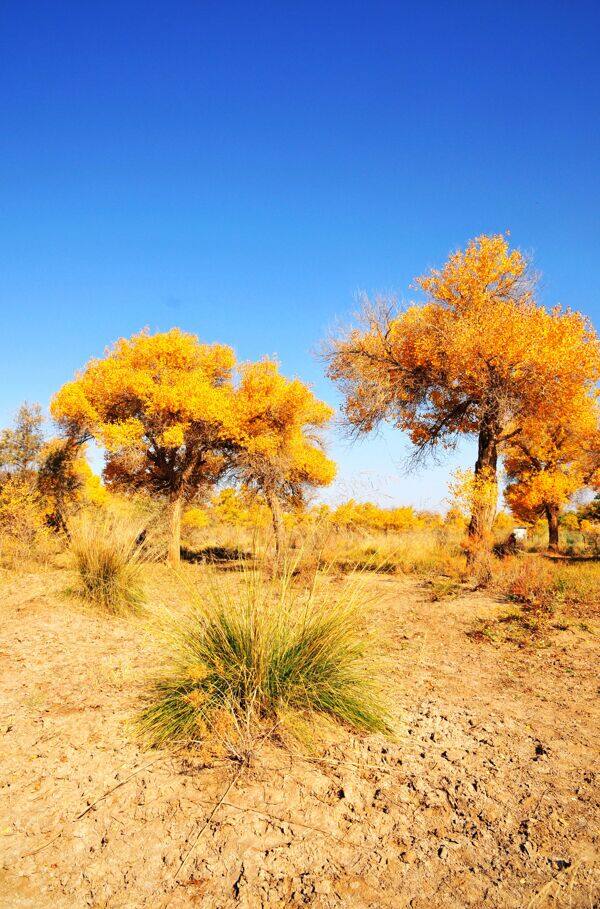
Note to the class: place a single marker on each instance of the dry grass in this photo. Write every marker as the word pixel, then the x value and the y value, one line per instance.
pixel 108 560
pixel 548 596
pixel 541 583
pixel 415 552
pixel 464 714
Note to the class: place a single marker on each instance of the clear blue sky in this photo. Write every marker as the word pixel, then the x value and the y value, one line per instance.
pixel 242 170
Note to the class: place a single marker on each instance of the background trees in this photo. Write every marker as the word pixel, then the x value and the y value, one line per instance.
pixel 41 482
pixel 66 481
pixel 162 407
pixel 549 461
pixel 280 454
pixel 20 445
pixel 477 357
pixel 174 421
pixel 21 511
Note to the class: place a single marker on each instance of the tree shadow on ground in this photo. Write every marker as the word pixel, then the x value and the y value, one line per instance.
pixel 229 558
pixel 567 559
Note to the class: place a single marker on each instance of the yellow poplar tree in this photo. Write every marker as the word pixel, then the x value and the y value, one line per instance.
pixel 548 462
pixel 281 454
pixel 161 405
pixel 477 358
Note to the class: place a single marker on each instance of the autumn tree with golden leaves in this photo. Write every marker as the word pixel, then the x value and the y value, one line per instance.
pixel 281 453
pixel 549 461
pixel 174 420
pixel 162 407
pixel 478 357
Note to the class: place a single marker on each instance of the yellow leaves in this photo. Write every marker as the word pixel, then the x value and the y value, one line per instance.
pixel 147 383
pixel 91 489
pixel 368 516
pixel 173 352
pixel 195 518
pixel 470 492
pixel 71 405
pixel 267 402
pixel 172 418
pixel 278 419
pixel 173 437
pixel 478 349
pixel 486 270
pixel 232 507
pixel 552 456
pixel 531 492
pixel 123 434
pixel 21 508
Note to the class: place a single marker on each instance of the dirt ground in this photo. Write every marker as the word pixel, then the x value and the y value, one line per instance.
pixel 488 798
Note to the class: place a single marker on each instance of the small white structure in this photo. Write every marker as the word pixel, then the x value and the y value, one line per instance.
pixel 520 534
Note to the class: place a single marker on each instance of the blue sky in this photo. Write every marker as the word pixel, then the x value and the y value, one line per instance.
pixel 244 170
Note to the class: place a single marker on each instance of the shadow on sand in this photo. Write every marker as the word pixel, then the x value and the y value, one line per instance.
pixel 229 558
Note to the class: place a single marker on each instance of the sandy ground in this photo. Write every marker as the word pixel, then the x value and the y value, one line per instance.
pixel 489 798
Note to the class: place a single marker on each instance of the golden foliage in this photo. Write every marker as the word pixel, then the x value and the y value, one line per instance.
pixel 550 460
pixel 479 356
pixel 174 420
pixel 478 350
pixel 368 516
pixel 21 509
pixel 162 407
pixel 279 422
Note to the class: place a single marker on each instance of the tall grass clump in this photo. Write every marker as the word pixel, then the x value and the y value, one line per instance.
pixel 252 653
pixel 108 557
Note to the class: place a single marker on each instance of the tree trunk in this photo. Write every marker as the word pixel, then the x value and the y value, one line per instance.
pixel 278 526
pixel 174 551
pixel 484 509
pixel 552 518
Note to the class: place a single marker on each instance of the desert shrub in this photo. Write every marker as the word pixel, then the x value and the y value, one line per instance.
pixel 257 652
pixel 108 556
pixel 546 594
pixel 24 536
pixel 21 514
pixel 526 580
pixel 590 531
pixel 539 583
pixel 16 555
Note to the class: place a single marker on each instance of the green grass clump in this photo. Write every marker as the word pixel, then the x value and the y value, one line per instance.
pixel 256 652
pixel 108 561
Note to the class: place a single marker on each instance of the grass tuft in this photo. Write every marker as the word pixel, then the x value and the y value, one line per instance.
pixel 108 561
pixel 249 657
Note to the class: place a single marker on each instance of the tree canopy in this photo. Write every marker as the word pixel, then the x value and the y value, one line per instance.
pixel 281 453
pixel 174 418
pixel 477 357
pixel 20 445
pixel 548 461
